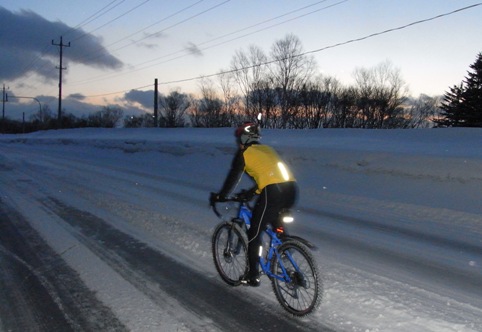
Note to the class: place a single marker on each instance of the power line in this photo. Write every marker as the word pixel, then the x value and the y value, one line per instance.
pixel 155 23
pixel 99 52
pixel 273 19
pixel 247 34
pixel 123 91
pixel 103 77
pixel 305 53
pixel 176 24
pixel 93 17
pixel 104 10
pixel 334 45
pixel 113 20
pixel 393 29
pixel 33 64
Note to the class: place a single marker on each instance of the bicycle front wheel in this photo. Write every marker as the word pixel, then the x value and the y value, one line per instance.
pixel 300 291
pixel 230 252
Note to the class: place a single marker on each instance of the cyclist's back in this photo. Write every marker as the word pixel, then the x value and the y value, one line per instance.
pixel 265 166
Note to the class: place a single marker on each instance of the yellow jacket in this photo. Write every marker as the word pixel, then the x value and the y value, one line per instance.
pixel 265 166
pixel 262 163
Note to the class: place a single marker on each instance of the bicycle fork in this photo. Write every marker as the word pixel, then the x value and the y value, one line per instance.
pixel 234 243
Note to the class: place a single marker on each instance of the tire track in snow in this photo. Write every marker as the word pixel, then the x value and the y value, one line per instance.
pixel 38 291
pixel 120 174
pixel 413 258
pixel 155 274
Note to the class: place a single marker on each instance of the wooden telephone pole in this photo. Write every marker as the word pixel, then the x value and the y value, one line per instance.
pixel 61 46
pixel 156 103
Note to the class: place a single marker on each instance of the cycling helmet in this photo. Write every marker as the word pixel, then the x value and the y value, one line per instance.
pixel 248 133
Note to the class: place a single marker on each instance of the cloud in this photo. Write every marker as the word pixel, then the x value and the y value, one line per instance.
pixel 26 46
pixel 149 46
pixel 77 96
pixel 144 98
pixel 155 35
pixel 193 49
pixel 141 42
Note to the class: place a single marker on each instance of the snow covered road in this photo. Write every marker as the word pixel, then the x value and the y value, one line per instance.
pixel 125 214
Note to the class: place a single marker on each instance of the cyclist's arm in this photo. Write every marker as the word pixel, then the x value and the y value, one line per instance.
pixel 235 173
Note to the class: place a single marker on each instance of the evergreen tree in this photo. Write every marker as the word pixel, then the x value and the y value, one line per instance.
pixel 462 105
pixel 451 107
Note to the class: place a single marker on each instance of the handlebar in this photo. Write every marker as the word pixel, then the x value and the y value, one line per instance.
pixel 240 198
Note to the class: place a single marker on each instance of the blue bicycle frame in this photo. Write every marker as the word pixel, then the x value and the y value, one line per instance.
pixel 245 214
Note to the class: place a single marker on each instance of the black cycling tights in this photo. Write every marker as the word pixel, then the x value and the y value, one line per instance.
pixel 270 202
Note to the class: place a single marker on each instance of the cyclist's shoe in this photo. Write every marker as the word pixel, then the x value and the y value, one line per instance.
pixel 253 281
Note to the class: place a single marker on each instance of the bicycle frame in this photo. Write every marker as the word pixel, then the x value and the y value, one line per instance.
pixel 244 215
pixel 265 264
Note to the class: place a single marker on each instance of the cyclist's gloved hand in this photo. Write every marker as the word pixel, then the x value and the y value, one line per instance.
pixel 246 195
pixel 213 198
pixel 216 197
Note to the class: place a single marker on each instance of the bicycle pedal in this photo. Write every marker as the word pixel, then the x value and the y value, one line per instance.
pixel 255 282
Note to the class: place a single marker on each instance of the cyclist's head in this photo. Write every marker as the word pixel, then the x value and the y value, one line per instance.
pixel 247 133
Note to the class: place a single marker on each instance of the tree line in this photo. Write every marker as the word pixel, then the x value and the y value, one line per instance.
pixel 284 87
pixel 45 119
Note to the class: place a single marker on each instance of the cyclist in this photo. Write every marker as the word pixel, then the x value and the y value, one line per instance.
pixel 274 183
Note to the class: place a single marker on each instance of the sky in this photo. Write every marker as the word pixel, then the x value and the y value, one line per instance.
pixel 116 48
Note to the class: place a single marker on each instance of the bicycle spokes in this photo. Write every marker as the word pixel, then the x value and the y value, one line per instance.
pixel 230 253
pixel 233 247
pixel 295 280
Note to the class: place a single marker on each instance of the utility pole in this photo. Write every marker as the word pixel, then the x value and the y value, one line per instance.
pixel 4 99
pixel 61 46
pixel 156 102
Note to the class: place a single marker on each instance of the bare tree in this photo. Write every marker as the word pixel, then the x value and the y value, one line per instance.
pixel 381 94
pixel 249 70
pixel 264 100
pixel 345 108
pixel 317 101
pixel 231 101
pixel 423 111
pixel 209 108
pixel 173 109
pixel 44 115
pixel 108 117
pixel 289 70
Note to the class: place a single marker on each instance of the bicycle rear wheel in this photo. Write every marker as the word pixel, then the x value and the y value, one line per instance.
pixel 230 252
pixel 302 294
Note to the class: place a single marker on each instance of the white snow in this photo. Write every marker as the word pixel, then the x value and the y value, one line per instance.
pixel 391 212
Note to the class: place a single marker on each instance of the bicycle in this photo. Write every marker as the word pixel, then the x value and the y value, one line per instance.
pixel 287 260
